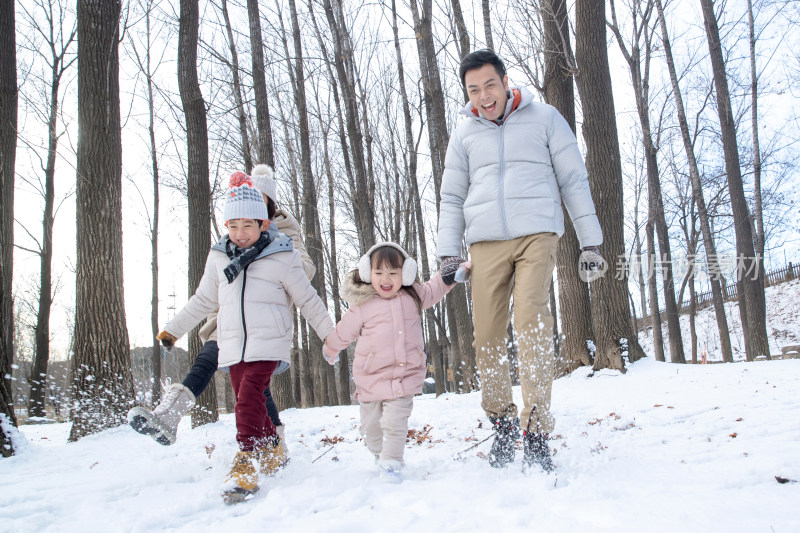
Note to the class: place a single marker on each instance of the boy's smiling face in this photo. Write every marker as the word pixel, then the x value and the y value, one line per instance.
pixel 244 232
pixel 487 91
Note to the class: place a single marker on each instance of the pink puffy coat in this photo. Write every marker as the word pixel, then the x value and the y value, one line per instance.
pixel 390 357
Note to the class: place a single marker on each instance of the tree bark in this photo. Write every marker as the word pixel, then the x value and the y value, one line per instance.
pixel 487 24
pixel 197 182
pixel 265 145
pixel 438 138
pixel 102 385
pixel 573 294
pixel 8 151
pixel 611 318
pixel 655 313
pixel 752 304
pixel 237 91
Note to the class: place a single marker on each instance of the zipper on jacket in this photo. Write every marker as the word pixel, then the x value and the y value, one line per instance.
pixel 244 321
pixel 502 201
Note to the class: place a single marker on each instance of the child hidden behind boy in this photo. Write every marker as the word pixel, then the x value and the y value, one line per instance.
pixel 161 423
pixel 386 303
pixel 252 276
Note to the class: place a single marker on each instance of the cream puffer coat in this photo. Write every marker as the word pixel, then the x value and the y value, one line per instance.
pixel 255 320
pixel 506 181
pixel 289 226
pixel 390 354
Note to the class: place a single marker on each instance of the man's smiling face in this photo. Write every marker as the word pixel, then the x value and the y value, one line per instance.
pixel 487 91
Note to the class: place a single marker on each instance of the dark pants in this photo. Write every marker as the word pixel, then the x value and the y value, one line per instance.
pixel 254 429
pixel 203 369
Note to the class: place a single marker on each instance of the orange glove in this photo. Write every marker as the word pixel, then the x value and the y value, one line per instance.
pixel 167 339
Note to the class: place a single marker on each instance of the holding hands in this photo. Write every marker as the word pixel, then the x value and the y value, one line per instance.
pixel 330 355
pixel 454 269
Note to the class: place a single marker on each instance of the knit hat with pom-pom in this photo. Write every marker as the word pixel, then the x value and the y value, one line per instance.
pixel 244 200
pixel 264 180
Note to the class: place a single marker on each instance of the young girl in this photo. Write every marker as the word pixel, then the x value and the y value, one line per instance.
pixel 386 304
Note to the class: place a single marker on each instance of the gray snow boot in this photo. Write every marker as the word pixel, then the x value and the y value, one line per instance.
pixel 506 432
pixel 537 452
pixel 161 424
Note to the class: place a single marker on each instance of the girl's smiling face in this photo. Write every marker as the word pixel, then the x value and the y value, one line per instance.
pixel 385 279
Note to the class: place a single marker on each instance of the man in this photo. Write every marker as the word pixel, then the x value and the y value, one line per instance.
pixel 509 166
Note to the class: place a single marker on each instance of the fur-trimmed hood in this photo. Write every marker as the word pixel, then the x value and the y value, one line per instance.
pixel 355 293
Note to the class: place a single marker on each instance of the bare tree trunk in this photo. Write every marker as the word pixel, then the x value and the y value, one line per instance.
pixel 487 24
pixel 573 294
pixel 237 91
pixel 265 148
pixel 197 182
pixel 344 362
pixel 310 212
pixel 752 305
pixel 102 384
pixel 362 189
pixel 38 375
pixel 437 136
pixel 759 213
pixel 697 192
pixel 306 369
pixel 638 59
pixel 154 322
pixel 8 151
pixel 611 318
pixel 145 68
pixel 693 316
pixel 655 313
pixel 463 35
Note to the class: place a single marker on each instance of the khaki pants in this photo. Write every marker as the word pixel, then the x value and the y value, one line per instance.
pixel 523 266
pixel 384 426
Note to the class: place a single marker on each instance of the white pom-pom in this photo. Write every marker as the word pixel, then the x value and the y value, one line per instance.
pixel 262 170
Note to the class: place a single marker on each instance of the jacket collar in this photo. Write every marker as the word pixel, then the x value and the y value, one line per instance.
pixel 520 97
pixel 355 293
pixel 279 242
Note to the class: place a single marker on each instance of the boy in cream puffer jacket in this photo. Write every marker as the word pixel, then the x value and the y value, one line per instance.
pixel 161 424
pixel 252 276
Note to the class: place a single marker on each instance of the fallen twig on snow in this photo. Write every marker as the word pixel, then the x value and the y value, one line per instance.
pixel 323 453
pixel 460 455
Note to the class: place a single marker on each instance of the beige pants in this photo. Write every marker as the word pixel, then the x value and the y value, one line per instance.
pixel 384 426
pixel 524 267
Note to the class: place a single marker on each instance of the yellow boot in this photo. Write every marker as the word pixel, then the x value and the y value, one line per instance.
pixel 242 481
pixel 272 457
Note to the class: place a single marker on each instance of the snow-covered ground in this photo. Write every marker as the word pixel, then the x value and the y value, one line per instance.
pixel 662 448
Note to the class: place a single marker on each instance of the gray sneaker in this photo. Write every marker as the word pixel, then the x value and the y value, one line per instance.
pixel 161 424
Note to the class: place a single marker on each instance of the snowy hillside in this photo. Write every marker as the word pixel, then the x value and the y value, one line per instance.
pixel 662 448
pixel 783 325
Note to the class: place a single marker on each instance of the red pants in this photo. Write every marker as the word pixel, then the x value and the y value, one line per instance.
pixel 254 428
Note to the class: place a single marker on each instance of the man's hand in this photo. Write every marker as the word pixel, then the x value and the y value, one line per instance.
pixel 449 267
pixel 167 339
pixel 591 265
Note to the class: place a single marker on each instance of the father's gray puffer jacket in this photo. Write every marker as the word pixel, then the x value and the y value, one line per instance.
pixel 506 181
